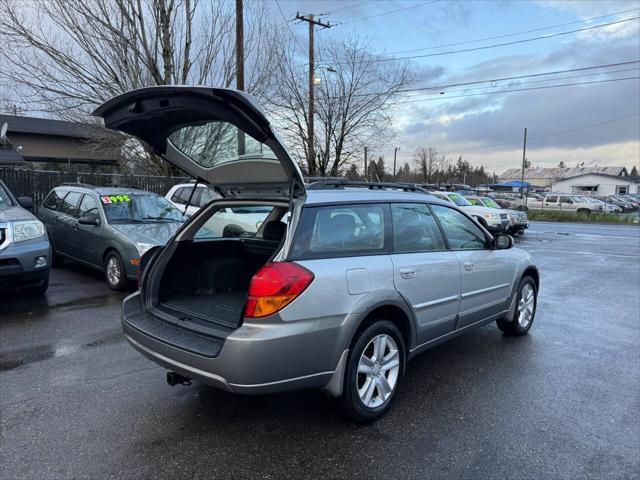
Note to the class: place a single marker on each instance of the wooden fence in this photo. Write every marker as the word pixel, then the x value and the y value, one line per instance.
pixel 37 183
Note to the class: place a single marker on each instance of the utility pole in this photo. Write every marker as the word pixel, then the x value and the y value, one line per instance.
pixel 524 161
pixel 240 65
pixel 365 164
pixel 310 133
pixel 395 151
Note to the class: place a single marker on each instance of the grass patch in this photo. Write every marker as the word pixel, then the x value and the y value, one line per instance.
pixel 581 218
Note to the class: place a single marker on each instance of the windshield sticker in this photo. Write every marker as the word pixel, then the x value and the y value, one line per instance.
pixel 107 199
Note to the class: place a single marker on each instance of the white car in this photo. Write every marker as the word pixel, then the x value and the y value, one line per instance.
pixel 228 222
pixel 489 218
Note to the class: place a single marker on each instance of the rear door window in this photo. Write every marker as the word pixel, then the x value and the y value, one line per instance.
pixel 53 199
pixel 341 230
pixel 238 221
pixel 69 204
pixel 415 229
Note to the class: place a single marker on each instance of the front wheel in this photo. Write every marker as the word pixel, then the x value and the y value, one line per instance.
pixel 526 303
pixel 374 369
pixel 114 272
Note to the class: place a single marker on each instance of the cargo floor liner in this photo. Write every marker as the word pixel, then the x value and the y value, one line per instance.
pixel 223 307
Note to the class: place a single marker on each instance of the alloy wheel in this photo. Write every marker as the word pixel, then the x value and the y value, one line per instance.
pixel 526 305
pixel 113 271
pixel 378 371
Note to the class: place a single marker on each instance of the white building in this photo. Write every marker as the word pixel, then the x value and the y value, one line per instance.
pixel 597 184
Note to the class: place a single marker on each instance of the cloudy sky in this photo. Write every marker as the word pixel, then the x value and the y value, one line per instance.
pixel 597 123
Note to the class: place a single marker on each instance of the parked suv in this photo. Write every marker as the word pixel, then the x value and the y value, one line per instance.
pixel 518 221
pixel 337 289
pixel 491 219
pixel 24 246
pixel 107 228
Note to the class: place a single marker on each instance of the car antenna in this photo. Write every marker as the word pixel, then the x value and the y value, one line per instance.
pixel 195 185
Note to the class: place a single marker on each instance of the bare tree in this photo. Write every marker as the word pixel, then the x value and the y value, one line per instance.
pixel 67 56
pixel 353 103
pixel 425 160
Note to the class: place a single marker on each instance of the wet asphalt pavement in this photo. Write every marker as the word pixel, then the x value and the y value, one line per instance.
pixel 563 402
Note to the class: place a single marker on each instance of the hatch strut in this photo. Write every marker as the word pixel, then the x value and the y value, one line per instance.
pixel 195 185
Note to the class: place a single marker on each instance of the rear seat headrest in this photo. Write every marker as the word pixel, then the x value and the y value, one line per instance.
pixel 274 230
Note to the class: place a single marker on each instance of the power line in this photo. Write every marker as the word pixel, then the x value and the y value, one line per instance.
pixel 609 72
pixel 509 34
pixel 348 7
pixel 486 47
pixel 387 13
pixel 503 79
pixel 289 27
pixel 553 134
pixel 514 90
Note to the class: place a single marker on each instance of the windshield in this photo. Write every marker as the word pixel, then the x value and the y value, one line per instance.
pixel 580 199
pixel 127 207
pixel 459 200
pixel 488 202
pixel 5 199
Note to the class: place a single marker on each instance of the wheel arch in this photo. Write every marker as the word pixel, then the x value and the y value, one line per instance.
pixel 397 312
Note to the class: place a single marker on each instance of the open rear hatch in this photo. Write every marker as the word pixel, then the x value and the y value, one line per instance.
pixel 218 136
pixel 221 138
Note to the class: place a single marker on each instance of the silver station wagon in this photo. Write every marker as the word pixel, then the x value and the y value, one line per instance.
pixel 336 289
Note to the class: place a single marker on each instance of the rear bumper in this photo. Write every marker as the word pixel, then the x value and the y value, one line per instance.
pixel 256 358
pixel 18 265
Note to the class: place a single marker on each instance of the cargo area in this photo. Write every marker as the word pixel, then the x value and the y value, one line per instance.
pixel 209 280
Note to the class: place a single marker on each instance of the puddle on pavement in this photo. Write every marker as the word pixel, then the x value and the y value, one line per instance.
pixel 18 358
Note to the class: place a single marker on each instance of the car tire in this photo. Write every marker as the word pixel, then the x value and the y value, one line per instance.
pixel 584 211
pixel 526 303
pixel 56 260
pixel 367 396
pixel 114 273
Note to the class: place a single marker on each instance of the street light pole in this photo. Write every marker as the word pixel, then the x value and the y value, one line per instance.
pixel 524 161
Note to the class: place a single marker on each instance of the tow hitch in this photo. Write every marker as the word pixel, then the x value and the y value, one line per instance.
pixel 174 379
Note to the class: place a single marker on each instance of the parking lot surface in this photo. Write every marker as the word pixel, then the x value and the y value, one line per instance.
pixel 563 402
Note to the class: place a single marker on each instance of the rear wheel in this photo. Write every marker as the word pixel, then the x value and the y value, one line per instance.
pixel 114 272
pixel 526 302
pixel 374 369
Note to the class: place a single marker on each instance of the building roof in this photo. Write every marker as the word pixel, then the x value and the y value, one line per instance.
pixel 606 175
pixel 558 173
pixel 46 126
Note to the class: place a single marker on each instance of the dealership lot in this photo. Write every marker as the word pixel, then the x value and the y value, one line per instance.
pixel 77 401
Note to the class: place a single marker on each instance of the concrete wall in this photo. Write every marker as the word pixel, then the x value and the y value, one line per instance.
pixel 586 185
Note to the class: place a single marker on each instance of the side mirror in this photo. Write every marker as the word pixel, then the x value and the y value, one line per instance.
pixel 502 241
pixel 26 203
pixel 95 221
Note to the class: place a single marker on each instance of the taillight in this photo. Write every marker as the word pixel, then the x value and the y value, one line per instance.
pixel 274 287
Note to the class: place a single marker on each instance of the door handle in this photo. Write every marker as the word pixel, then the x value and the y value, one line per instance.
pixel 407 273
pixel 468 266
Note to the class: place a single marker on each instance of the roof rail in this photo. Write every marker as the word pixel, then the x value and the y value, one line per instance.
pixel 77 184
pixel 341 183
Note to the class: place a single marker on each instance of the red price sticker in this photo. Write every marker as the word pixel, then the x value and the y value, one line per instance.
pixel 106 200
